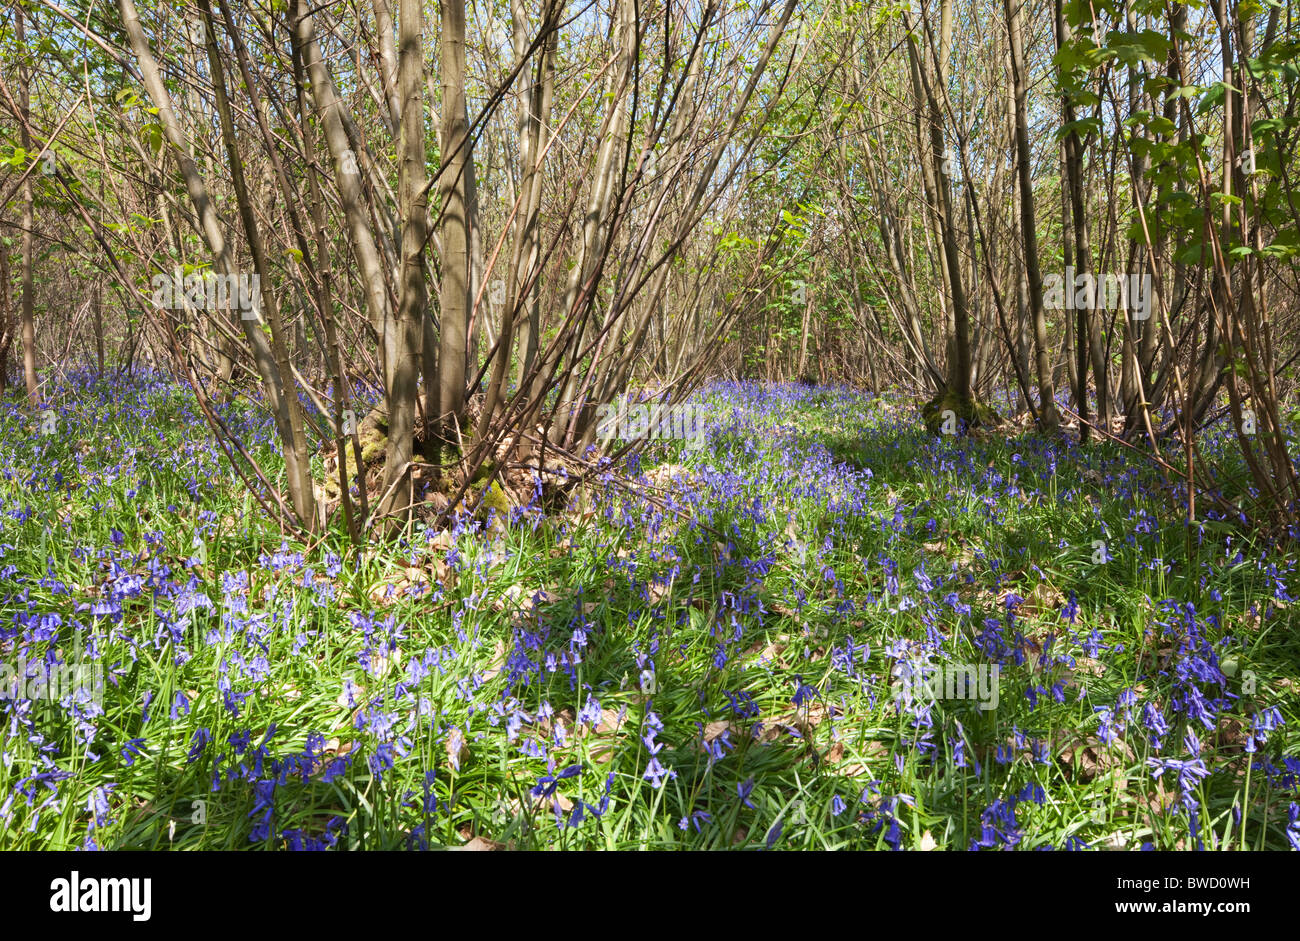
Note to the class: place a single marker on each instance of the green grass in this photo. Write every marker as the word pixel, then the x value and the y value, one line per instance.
pixel 802 502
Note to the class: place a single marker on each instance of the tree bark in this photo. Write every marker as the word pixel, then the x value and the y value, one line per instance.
pixel 413 300
pixel 223 257
pixel 28 220
pixel 1047 413
pixel 288 410
pixel 452 188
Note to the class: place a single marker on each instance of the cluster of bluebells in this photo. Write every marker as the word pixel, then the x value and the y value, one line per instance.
pixel 805 597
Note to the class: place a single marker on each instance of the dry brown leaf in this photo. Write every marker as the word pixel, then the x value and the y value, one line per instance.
pixel 456 748
pixel 1231 737
pixel 478 845
pixel 1156 798
pixel 498 661
pixel 1088 665
pixel 770 653
pixel 606 739
pixel 358 694
pixel 541 803
pixel 383 662
pixel 609 722
pixel 1084 760
pixel 802 719
pixel 1114 841
pixel 335 747
pixel 666 474
pixel 714 729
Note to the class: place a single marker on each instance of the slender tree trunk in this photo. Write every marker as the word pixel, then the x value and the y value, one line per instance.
pixel 287 410
pixel 803 331
pixel 99 328
pixel 345 433
pixel 452 187
pixel 479 313
pixel 413 301
pixel 1087 334
pixel 1047 413
pixel 388 63
pixel 959 370
pixel 269 366
pixel 28 220
pixel 533 124
pixel 347 174
pixel 6 321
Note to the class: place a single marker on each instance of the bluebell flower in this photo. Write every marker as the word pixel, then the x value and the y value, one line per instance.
pixel 803 693
pixel 744 789
pixel 131 750
pixel 656 774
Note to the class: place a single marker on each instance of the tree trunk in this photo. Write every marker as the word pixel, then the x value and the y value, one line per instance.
pixel 28 220
pixel 533 125
pixel 1086 326
pixel 347 167
pixel 6 323
pixel 287 410
pixel 209 225
pixel 1047 414
pixel 959 369
pixel 452 188
pixel 413 300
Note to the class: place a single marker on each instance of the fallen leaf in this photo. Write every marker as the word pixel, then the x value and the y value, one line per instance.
pixel 478 845
pixel 457 750
pixel 498 661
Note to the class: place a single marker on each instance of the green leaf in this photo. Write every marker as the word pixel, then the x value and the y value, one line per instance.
pixel 1214 95
pixel 1281 250
pixel 153 135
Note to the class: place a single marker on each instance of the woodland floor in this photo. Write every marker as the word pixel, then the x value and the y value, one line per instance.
pixel 730 650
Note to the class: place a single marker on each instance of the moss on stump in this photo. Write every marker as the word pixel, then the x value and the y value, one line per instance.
pixel 968 413
pixel 492 497
pixel 373 435
pixel 332 478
